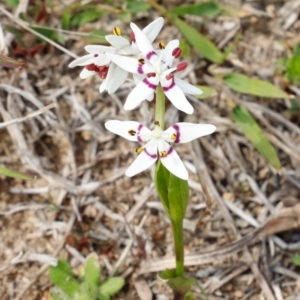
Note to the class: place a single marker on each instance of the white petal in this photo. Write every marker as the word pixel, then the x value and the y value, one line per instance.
pixel 122 128
pixel 98 49
pixel 129 64
pixel 109 77
pixel 102 60
pixel 172 161
pixel 145 160
pixel 117 41
pixel 85 73
pixel 176 96
pixel 144 44
pixel 186 132
pixel 153 29
pixel 187 88
pixel 142 91
pixel 138 78
pixel 118 79
pixel 167 52
pixel 81 61
pixel 150 97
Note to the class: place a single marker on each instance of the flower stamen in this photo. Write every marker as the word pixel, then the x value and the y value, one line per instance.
pixel 132 36
pixel 132 132
pixel 176 52
pixel 174 136
pixel 141 61
pixel 117 31
pixel 162 45
pixel 139 150
pixel 163 153
pixel 151 75
pixel 181 66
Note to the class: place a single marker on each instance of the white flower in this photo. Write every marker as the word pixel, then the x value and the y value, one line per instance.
pixel 157 68
pixel 97 62
pixel 158 143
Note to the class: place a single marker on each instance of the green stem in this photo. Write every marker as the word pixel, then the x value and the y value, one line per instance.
pixel 160 107
pixel 177 228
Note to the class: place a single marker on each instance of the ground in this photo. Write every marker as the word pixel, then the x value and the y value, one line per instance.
pixel 243 217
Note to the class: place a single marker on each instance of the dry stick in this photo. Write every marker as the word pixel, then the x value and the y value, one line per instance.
pixel 31 115
pixel 44 268
pixel 26 26
pixel 204 172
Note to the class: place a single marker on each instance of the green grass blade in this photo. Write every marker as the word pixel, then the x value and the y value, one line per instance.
pixel 13 174
pixel 255 135
pixel 207 92
pixel 246 85
pixel 203 45
pixel 206 9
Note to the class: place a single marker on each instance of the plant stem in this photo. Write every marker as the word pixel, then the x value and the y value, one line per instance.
pixel 177 228
pixel 160 107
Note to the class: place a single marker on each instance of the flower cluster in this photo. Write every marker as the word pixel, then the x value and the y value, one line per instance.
pixel 149 68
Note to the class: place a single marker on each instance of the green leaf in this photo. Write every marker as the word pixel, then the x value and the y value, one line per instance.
pixel 49 33
pixel 255 134
pixel 185 48
pixel 207 92
pixel 12 3
pixel 178 195
pixel 162 183
pixel 137 6
pixel 204 46
pixel 293 66
pixel 62 277
pixel 111 286
pixel 206 9
pixel 183 285
pixel 167 274
pixel 296 260
pixel 97 36
pixel 65 19
pixel 13 174
pixel 87 16
pixel 243 84
pixel 92 271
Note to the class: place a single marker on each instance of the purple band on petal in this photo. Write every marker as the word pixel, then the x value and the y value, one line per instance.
pixel 138 132
pixel 176 127
pixel 140 70
pixel 149 84
pixel 149 154
pixel 150 54
pixel 166 88
pixel 170 151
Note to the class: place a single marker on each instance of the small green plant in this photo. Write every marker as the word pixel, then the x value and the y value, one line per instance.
pixel 89 287
pixel 293 66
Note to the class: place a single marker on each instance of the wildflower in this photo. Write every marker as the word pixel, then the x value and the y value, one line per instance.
pixel 156 68
pixel 97 61
pixel 158 143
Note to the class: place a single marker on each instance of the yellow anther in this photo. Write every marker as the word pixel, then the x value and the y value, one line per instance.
pixel 139 150
pixel 162 45
pixel 156 123
pixel 162 153
pixel 117 31
pixel 174 136
pixel 141 61
pixel 131 132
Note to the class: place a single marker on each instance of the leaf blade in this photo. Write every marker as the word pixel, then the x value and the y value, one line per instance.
pixel 255 134
pixel 203 45
pixel 246 85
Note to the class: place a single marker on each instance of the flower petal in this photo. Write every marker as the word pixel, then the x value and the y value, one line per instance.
pixel 187 88
pixel 98 49
pixel 141 92
pixel 186 132
pixel 118 79
pixel 85 73
pixel 129 64
pixel 145 160
pixel 81 61
pixel 102 60
pixel 153 29
pixel 167 56
pixel 144 44
pixel 171 160
pixel 130 130
pixel 176 96
pixel 117 41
